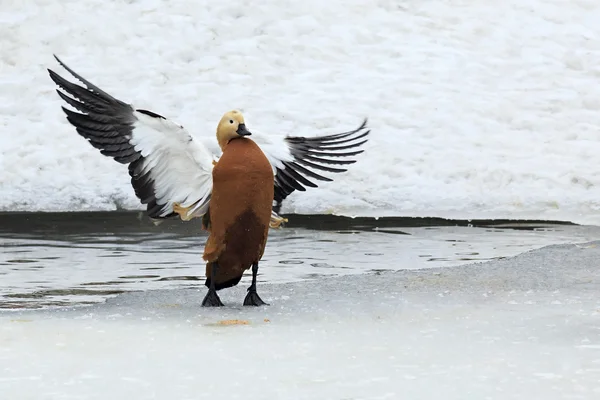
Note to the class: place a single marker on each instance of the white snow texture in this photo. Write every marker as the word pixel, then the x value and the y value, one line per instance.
pixel 479 109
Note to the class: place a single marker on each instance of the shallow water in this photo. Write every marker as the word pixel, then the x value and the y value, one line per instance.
pixel 525 327
pixel 82 258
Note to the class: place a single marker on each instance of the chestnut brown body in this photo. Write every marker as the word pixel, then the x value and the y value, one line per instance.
pixel 240 211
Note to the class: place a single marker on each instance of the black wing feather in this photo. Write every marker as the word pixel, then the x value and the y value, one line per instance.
pixel 313 153
pixel 108 123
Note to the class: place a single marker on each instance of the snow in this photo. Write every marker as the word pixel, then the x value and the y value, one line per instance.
pixel 518 328
pixel 478 109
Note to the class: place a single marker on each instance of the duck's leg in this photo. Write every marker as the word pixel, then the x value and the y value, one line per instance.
pixel 252 298
pixel 212 299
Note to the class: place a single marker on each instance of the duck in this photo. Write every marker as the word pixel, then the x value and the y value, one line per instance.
pixel 237 192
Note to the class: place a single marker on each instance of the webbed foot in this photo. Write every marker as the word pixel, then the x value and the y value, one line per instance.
pixel 212 299
pixel 253 299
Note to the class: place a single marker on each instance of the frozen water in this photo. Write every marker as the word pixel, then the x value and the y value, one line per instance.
pixel 520 328
pixel 478 110
pixel 60 260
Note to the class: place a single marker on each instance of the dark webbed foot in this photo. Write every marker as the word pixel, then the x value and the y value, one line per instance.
pixel 212 299
pixel 253 299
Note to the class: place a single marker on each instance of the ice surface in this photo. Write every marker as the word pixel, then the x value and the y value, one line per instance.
pixel 520 328
pixel 478 110
pixel 49 260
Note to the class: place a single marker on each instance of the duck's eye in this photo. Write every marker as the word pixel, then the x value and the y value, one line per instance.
pixel 231 121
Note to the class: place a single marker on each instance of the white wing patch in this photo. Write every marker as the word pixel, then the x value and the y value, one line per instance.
pixel 274 148
pixel 179 166
pixel 170 172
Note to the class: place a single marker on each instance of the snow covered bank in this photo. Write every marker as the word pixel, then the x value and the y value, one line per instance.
pixel 485 110
pixel 524 327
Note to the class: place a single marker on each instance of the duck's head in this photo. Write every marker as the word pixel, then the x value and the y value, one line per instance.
pixel 230 127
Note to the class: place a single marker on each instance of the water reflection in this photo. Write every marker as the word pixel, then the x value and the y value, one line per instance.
pixel 78 260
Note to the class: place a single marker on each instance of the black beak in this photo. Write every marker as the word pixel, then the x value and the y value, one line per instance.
pixel 242 131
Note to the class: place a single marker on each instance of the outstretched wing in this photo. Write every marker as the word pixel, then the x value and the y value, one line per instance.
pixel 297 161
pixel 166 165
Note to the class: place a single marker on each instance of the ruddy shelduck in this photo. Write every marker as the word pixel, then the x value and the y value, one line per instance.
pixel 238 195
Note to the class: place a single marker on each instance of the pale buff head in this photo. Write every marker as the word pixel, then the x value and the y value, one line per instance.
pixel 230 127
